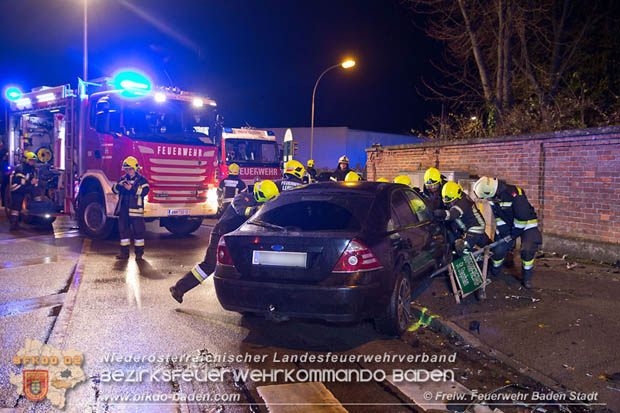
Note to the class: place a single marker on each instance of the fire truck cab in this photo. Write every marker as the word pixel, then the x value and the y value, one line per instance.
pixel 83 135
pixel 254 150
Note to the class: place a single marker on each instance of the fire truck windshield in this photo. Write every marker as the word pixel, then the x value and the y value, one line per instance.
pixel 246 151
pixel 170 121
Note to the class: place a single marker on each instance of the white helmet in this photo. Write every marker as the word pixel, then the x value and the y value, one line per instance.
pixel 486 187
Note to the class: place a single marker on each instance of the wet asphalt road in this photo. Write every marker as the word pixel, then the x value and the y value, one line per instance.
pixel 110 307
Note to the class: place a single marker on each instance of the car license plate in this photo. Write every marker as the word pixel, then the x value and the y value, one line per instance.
pixel 279 259
pixel 176 212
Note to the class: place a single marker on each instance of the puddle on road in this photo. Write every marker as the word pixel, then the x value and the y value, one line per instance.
pixel 132 283
pixel 37 261
pixel 31 304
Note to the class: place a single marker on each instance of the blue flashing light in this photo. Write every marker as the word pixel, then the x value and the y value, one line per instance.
pixel 270 133
pixel 13 93
pixel 132 84
pixel 228 130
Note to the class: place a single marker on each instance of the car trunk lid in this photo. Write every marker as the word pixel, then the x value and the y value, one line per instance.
pixel 288 256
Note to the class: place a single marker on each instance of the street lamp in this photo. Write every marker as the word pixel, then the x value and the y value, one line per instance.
pixel 85 57
pixel 347 64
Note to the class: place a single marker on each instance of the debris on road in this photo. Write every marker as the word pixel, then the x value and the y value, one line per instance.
pixel 522 297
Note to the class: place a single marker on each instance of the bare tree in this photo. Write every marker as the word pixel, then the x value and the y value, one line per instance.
pixel 512 62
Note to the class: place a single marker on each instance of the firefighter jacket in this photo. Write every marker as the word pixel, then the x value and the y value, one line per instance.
pixel 131 201
pixel 311 175
pixel 434 198
pixel 465 215
pixel 513 212
pixel 241 209
pixel 288 182
pixel 229 187
pixel 340 174
pixel 22 177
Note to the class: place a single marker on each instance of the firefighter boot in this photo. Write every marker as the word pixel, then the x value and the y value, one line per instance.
pixel 182 286
pixel 124 254
pixel 527 278
pixel 139 251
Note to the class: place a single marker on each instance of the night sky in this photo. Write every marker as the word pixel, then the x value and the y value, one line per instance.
pixel 258 59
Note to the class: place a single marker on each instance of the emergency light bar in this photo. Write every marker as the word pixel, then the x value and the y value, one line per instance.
pixel 12 93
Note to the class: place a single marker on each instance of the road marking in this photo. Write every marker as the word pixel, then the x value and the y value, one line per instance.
pixel 59 333
pixel 37 261
pixel 311 397
pixel 31 304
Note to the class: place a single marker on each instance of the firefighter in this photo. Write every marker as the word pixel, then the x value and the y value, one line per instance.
pixel 352 177
pixel 293 176
pixel 514 217
pixel 383 180
pixel 131 189
pixel 311 174
pixel 5 171
pixel 462 211
pixel 241 209
pixel 343 169
pixel 23 182
pixel 229 187
pixel 403 179
pixel 433 184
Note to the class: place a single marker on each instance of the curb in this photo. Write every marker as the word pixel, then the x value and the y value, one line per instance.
pixel 450 329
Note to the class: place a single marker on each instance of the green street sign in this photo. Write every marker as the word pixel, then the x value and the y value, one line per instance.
pixel 467 274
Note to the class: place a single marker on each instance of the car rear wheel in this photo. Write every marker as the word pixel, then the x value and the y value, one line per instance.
pixel 398 314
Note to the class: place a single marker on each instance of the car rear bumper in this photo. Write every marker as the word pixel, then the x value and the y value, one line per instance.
pixel 334 304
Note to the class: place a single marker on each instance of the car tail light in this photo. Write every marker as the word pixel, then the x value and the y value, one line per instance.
pixel 357 257
pixel 223 257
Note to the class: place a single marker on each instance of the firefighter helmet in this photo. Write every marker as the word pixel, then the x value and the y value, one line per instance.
pixel 30 156
pixel 485 187
pixel 403 179
pixel 432 178
pixel 352 177
pixel 450 192
pixel 383 180
pixel 310 163
pixel 233 169
pixel 343 159
pixel 294 168
pixel 265 190
pixel 131 163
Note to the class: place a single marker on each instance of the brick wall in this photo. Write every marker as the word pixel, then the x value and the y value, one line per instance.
pixel 571 177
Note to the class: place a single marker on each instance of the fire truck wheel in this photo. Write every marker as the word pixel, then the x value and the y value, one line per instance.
pixel 181 225
pixel 92 217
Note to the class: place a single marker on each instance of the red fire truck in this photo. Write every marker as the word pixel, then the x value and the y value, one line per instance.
pixel 254 150
pixel 82 136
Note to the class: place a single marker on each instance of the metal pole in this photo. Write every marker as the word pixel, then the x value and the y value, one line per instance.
pixel 312 117
pixel 85 58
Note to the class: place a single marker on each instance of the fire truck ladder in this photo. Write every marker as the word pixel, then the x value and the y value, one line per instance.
pixel 70 154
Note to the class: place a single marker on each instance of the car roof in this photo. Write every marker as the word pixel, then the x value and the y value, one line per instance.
pixel 371 188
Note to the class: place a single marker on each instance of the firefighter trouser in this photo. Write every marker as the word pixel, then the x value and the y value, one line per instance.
pixel 201 271
pixel 125 226
pixel 17 199
pixel 530 241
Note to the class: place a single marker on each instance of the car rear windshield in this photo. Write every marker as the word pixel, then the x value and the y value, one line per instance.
pixel 341 212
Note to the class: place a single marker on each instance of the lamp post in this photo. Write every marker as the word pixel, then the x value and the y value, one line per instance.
pixel 85 58
pixel 347 64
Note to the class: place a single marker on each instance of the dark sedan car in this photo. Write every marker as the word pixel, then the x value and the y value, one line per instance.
pixel 339 252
